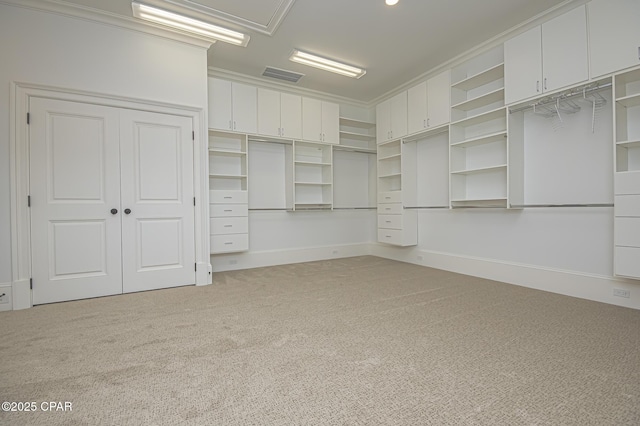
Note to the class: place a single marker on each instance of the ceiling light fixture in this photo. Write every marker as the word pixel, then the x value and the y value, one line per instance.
pixel 189 25
pixel 326 64
pixel 391 2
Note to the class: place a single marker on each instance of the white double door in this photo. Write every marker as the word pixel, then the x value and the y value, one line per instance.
pixel 111 200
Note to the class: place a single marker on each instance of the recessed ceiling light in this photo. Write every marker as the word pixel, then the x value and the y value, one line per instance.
pixel 189 25
pixel 326 64
pixel 391 2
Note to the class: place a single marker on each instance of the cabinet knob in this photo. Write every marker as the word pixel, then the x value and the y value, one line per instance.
pixel 114 211
pixel 127 211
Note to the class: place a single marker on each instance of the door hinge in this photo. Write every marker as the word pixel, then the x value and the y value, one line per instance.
pixel 194 201
pixel 195 267
pixel 28 118
pixel 28 200
pixel 31 283
pixel 193 135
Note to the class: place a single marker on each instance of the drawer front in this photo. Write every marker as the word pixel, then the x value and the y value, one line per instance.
pixel 627 262
pixel 627 231
pixel 627 205
pixel 229 243
pixel 392 208
pixel 390 197
pixel 228 197
pixel 627 183
pixel 390 236
pixel 228 210
pixel 390 221
pixel 229 225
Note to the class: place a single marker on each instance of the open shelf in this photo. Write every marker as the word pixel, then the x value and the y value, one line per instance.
pixel 480 101
pixel 629 101
pixel 479 170
pixel 481 118
pixel 481 78
pixel 389 157
pixel 481 140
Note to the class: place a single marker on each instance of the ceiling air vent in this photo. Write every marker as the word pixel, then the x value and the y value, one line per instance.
pixel 290 76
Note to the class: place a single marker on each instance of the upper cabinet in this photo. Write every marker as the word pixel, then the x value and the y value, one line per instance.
pixel 279 114
pixel 548 57
pixel 429 103
pixel 320 121
pixel 232 106
pixel 614 35
pixel 391 118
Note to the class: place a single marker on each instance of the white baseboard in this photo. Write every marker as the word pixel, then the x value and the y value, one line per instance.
pixel 570 283
pixel 258 259
pixel 21 295
pixel 6 297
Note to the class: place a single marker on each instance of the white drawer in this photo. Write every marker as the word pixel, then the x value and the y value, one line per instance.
pixel 390 236
pixel 627 205
pixel 627 262
pixel 390 197
pixel 229 225
pixel 627 183
pixel 229 243
pixel 228 210
pixel 228 197
pixel 627 231
pixel 390 221
pixel 392 208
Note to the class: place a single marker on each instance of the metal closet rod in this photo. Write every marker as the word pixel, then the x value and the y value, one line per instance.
pixel 290 142
pixel 569 94
pixel 562 205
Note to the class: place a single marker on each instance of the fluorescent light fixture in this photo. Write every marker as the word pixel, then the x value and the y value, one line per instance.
pixel 391 2
pixel 326 64
pixel 189 25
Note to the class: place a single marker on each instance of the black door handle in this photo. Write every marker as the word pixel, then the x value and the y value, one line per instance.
pixel 127 211
pixel 114 211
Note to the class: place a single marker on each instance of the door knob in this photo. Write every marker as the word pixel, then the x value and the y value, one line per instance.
pixel 114 211
pixel 127 211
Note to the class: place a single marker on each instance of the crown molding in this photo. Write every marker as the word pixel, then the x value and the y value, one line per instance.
pixel 102 17
pixel 483 47
pixel 283 87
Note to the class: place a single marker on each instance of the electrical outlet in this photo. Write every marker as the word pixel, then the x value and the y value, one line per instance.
pixel 622 293
pixel 233 262
pixel 4 297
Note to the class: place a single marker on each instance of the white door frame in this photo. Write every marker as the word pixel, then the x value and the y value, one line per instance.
pixel 19 173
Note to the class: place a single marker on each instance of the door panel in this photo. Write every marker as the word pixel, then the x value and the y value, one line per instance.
pixel 74 184
pixel 523 66
pixel 157 175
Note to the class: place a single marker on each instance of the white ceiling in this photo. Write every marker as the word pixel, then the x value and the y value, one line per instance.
pixel 394 44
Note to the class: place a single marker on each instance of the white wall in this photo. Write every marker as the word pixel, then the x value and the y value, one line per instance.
pixel 55 50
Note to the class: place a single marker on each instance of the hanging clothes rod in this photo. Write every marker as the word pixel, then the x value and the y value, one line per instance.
pixel 569 94
pixel 561 205
pixel 426 208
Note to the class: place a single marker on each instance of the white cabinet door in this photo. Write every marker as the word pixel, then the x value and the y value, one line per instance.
pixel 614 35
pixel 383 121
pixel 399 115
pixel 245 108
pixel 268 112
pixel 220 110
pixel 564 50
pixel 312 119
pixel 417 108
pixel 330 123
pixel 523 66
pixel 439 99
pixel 291 115
pixel 74 185
pixel 158 248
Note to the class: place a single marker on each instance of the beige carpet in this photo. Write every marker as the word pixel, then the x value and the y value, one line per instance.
pixel 360 341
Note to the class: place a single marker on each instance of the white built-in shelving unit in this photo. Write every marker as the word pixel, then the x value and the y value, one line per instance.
pixel 228 183
pixel 479 143
pixel 313 176
pixel 627 174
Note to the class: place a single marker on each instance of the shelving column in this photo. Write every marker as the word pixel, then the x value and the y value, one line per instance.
pixel 312 176
pixel 228 196
pixel 627 175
